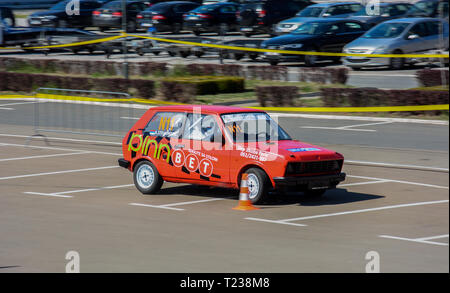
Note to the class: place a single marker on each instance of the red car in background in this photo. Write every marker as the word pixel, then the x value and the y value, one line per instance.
pixel 215 145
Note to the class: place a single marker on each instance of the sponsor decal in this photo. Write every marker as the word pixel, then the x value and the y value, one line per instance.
pixel 297 150
pixel 139 144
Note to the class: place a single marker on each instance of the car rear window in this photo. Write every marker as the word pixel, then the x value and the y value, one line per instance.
pixel 159 8
pixel 310 12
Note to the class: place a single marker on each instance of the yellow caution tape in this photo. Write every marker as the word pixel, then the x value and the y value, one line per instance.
pixel 236 48
pixel 444 107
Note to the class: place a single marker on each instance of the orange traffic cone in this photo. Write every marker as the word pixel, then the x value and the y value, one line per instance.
pixel 244 203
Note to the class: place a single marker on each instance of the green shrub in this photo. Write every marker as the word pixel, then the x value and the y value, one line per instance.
pixel 210 85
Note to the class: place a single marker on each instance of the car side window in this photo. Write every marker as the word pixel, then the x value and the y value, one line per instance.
pixel 402 8
pixel 166 124
pixel 355 8
pixel 202 127
pixel 352 27
pixel 228 9
pixel 433 28
pixel 419 29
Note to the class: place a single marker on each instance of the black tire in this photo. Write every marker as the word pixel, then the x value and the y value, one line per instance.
pixel 253 56
pixel 176 28
pixel 198 54
pixel 259 179
pixel 311 60
pixel 146 178
pixel 238 56
pixel 103 29
pixel 357 68
pixel 62 23
pixel 156 53
pixel 184 54
pixel 317 193
pixel 140 52
pixel 248 35
pixel 397 63
pixel 273 62
pixel 223 29
pixel 131 26
pixel 197 33
pixel 171 53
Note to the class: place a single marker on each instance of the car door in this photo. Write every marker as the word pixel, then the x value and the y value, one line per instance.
pixel 85 17
pixel 433 40
pixel 332 40
pixel 161 140
pixel 228 14
pixel 201 154
pixel 420 41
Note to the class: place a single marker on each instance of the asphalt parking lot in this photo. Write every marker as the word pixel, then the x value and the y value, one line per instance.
pixel 71 195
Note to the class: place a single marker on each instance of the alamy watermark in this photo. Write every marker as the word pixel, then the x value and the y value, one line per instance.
pixel 73 7
pixel 73 266
pixel 373 7
pixel 373 266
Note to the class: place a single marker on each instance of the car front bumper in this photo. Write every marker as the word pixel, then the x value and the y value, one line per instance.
pixel 365 61
pixel 310 182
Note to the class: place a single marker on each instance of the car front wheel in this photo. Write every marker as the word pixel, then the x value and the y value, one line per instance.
pixel 258 185
pixel 146 178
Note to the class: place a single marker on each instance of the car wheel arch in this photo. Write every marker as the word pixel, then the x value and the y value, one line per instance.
pixel 137 161
pixel 250 166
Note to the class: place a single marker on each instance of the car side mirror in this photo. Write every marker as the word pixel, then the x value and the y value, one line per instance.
pixel 385 15
pixel 326 15
pixel 413 37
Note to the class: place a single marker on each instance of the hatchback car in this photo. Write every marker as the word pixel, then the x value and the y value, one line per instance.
pixel 322 35
pixel 398 36
pixel 387 11
pixel 215 145
pixel 165 16
pixel 218 18
pixel 110 15
pixel 56 16
pixel 313 12
pixel 260 17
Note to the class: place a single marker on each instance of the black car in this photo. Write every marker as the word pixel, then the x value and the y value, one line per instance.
pixel 165 16
pixel 260 17
pixel 219 18
pixel 56 16
pixel 7 16
pixel 110 15
pixel 387 11
pixel 325 35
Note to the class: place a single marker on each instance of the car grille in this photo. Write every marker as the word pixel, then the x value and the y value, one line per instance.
pixel 314 167
pixel 358 51
pixel 357 60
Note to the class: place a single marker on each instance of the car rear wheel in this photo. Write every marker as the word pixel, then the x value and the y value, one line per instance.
pixel 258 185
pixel 197 33
pixel 176 28
pixel 223 29
pixel 397 63
pixel 311 60
pixel 146 178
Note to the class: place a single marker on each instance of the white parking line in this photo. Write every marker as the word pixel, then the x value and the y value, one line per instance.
pixel 350 127
pixel 288 221
pixel 399 181
pixel 64 139
pixel 366 210
pixel 43 156
pixel 59 149
pixel 57 172
pixel 155 206
pixel 129 118
pixel 363 183
pixel 381 164
pixel 48 194
pixel 420 240
pixel 93 189
pixel 23 103
pixel 192 202
pixel 7 109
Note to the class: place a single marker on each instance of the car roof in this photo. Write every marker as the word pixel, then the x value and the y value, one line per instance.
pixel 412 19
pixel 332 4
pixel 216 109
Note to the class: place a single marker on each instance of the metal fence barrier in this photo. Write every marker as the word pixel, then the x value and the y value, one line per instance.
pixel 82 112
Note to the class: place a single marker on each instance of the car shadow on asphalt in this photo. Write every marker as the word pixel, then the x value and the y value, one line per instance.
pixel 331 197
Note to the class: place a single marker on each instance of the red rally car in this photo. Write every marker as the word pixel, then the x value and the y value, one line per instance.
pixel 215 145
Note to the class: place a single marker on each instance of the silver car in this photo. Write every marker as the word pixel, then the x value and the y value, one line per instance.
pixel 313 12
pixel 398 36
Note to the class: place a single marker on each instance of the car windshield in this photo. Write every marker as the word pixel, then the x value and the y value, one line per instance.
pixel 310 12
pixel 253 127
pixel 60 5
pixel 312 28
pixel 386 31
pixel 206 8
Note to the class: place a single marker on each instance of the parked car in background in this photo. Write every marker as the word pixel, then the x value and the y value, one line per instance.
pixel 321 35
pixel 219 18
pixel 28 4
pixel 260 17
pixel 386 12
pixel 165 16
pixel 313 12
pixel 429 8
pixel 398 36
pixel 56 16
pixel 7 16
pixel 110 15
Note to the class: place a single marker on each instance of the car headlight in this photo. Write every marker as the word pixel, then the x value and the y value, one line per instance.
pixel 51 17
pixel 291 46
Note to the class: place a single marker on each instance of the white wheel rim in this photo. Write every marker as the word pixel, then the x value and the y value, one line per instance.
pixel 253 186
pixel 145 176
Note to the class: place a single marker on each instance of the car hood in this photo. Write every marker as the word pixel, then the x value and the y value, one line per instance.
pixel 48 13
pixel 297 151
pixel 371 43
pixel 298 20
pixel 289 39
